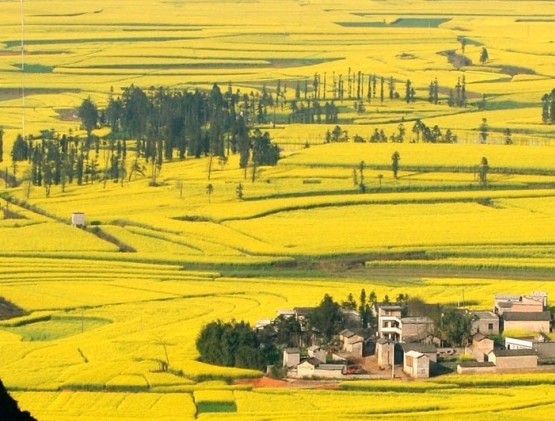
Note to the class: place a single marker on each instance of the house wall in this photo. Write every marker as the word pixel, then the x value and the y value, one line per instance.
pixel 416 330
pixel 527 326
pixel 355 349
pixel 520 362
pixel 291 360
pixel 417 367
pixel 483 326
pixel 384 354
pixel 305 370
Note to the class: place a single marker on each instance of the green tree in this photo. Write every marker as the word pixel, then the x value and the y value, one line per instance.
pixel 88 113
pixel 454 326
pixel 484 131
pixel 484 55
pixel 209 191
pixel 483 171
pixel 395 158
pixel 20 149
pixel 327 318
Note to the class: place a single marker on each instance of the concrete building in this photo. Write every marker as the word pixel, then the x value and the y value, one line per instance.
pixel 536 302
pixel 316 351
pixel 416 365
pixel 485 322
pixel 384 352
pixel 536 322
pixel 78 219
pixel 291 357
pixel 388 317
pixel 541 344
pixel 480 348
pixel 417 329
pixel 427 349
pixel 513 359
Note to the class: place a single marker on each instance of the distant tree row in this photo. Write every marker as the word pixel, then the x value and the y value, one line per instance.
pixel 421 132
pixel 59 160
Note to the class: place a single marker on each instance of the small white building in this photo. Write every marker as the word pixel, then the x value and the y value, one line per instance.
pixel 291 357
pixel 78 219
pixel 416 365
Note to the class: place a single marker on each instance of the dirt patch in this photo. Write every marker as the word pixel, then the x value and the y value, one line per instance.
pixel 267 382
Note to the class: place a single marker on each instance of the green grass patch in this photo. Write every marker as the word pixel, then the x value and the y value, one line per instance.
pixel 204 407
pixel 56 328
pixel 34 68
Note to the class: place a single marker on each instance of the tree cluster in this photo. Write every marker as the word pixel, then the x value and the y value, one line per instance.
pixel 548 107
pixel 235 344
pixel 58 160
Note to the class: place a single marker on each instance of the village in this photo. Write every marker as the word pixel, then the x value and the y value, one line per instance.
pixel 511 337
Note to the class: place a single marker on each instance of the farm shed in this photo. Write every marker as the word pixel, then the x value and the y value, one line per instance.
pixel 416 365
pixel 291 357
pixel 78 219
pixel 513 358
pixel 538 322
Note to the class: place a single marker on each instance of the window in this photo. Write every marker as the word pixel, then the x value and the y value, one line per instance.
pixel 490 327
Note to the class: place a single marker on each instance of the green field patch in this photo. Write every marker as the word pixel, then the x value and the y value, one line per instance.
pixel 204 407
pixel 399 23
pixel 30 42
pixel 34 68
pixel 56 327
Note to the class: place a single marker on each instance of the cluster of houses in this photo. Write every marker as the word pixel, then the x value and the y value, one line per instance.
pixel 409 342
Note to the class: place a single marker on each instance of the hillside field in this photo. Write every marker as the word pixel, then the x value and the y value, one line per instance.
pixel 112 311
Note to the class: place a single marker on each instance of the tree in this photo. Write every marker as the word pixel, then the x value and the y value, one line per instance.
pixel 454 326
pixel 1 144
pixel 484 56
pixel 88 113
pixel 235 344
pixel 395 158
pixel 484 131
pixel 483 171
pixel 209 191
pixel 327 318
pixel 20 149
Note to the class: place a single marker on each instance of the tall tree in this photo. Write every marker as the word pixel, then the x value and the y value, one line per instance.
pixel 327 318
pixel 484 55
pixel 1 144
pixel 395 158
pixel 88 113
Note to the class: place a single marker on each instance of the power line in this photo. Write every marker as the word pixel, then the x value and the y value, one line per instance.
pixel 22 12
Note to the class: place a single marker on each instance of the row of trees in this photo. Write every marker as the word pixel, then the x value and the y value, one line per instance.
pixel 58 160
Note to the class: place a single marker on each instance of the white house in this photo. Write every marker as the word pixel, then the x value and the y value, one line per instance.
pixel 416 365
pixel 291 357
pixel 78 219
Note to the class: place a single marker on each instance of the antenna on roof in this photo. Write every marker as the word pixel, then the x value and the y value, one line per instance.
pixel 22 68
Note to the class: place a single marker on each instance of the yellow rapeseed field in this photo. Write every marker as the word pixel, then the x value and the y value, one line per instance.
pixel 114 310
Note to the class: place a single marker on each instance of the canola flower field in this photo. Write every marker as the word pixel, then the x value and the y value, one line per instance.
pixel 111 325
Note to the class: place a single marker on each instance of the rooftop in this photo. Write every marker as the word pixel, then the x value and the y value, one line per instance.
pixel 513 352
pixel 517 316
pixel 422 348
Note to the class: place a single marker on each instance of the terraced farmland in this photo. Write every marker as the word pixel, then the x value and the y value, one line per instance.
pixel 113 310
